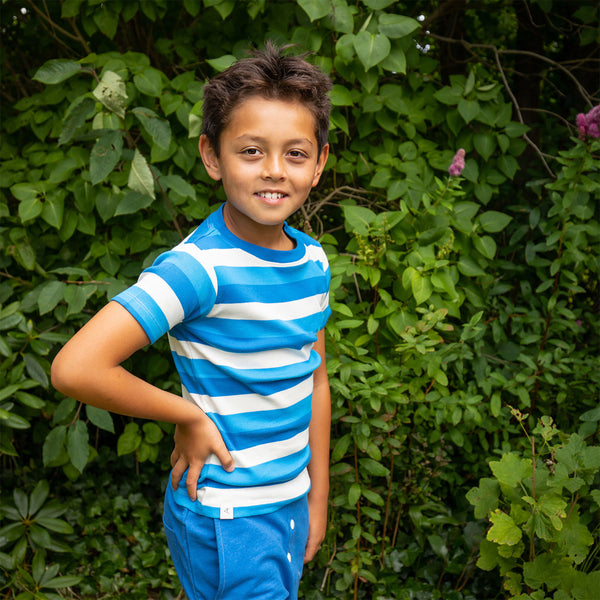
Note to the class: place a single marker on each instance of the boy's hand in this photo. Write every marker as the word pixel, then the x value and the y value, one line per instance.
pixel 194 442
pixel 317 526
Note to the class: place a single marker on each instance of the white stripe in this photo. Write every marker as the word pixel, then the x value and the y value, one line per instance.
pixel 234 257
pixel 255 496
pixel 317 254
pixel 264 453
pixel 160 291
pixel 267 359
pixel 260 311
pixel 248 403
pixel 200 256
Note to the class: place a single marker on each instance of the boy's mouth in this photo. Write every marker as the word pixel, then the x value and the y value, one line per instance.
pixel 271 195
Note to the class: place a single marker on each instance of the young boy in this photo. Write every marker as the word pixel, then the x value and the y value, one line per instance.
pixel 244 299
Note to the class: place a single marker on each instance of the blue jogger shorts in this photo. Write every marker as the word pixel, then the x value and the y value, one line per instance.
pixel 246 558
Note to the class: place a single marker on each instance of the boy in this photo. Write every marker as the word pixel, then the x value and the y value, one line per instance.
pixel 244 299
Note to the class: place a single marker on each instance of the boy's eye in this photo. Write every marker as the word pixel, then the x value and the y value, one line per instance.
pixel 250 151
pixel 297 154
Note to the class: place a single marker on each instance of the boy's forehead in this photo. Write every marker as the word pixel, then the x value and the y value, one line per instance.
pixel 282 115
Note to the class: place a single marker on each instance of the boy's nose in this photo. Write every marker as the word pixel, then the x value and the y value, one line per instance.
pixel 273 168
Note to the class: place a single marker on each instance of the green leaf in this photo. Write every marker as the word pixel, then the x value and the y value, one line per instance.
pixel 374 467
pixel 508 165
pixel 140 176
pixel 77 445
pixel 63 581
pixel 130 440
pixel 485 497
pixel 510 470
pixel 485 245
pixel 35 370
pixel 54 444
pixel 353 494
pixel 468 109
pixel 485 144
pixel 149 82
pixel 341 96
pixel 493 221
pixel 158 129
pixel 100 418
pixel 132 202
pixel 82 108
pixel 358 219
pixel 152 433
pixel 221 63
pixel 53 210
pixel 51 294
pixel 57 70
pixel 504 531
pixel 111 93
pixel 38 496
pixel 105 155
pixel 315 9
pixel 371 48
pixel 396 26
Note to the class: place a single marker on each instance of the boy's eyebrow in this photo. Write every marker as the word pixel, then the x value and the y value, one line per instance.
pixel 258 138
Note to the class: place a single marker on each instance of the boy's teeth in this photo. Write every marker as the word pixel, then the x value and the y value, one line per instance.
pixel 271 196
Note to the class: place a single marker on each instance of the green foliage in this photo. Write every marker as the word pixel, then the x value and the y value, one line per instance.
pixel 452 297
pixel 545 515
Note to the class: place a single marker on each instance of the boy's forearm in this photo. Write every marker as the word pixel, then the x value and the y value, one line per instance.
pixel 88 369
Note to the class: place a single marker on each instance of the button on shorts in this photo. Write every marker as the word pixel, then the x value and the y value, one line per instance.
pixel 259 557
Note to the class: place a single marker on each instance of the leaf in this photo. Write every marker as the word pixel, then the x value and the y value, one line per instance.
pixel 493 221
pixel 371 48
pixel 341 96
pixel 397 26
pixel 140 176
pixel 221 63
pixel 57 70
pixel 315 9
pixel 77 445
pixel 81 109
pixel 358 219
pixel 485 144
pixel 100 418
pixel 485 245
pixel 35 370
pixel 468 109
pixel 53 210
pixel 485 497
pixel 130 440
pixel 158 129
pixel 51 294
pixel 510 470
pixel 54 444
pixel 373 467
pixel 111 93
pixel 105 155
pixel 132 202
pixel 504 531
pixel 38 496
pixel 149 82
pixel 353 494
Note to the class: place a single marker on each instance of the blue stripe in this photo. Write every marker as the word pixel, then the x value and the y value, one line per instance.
pixel 243 335
pixel 223 386
pixel 248 429
pixel 270 473
pixel 270 293
pixel 145 311
pixel 201 369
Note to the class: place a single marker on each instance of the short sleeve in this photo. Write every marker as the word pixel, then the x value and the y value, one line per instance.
pixel 175 288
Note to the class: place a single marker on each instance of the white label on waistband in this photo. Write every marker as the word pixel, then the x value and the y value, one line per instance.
pixel 226 512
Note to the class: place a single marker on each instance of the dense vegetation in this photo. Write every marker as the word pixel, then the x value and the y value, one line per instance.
pixel 463 349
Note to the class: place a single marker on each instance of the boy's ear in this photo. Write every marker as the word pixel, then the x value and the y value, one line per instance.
pixel 209 158
pixel 321 164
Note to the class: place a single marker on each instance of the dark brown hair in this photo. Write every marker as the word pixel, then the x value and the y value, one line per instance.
pixel 271 75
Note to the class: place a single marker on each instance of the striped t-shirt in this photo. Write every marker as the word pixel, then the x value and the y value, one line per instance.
pixel 242 321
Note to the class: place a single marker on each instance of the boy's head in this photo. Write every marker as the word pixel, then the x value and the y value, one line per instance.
pixel 270 75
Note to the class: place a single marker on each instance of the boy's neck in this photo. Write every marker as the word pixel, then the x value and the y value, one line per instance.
pixel 272 237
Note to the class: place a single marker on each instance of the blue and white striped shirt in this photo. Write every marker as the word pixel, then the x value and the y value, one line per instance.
pixel 242 321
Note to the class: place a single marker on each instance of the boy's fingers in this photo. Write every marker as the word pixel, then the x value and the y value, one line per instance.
pixel 225 458
pixel 191 481
pixel 179 468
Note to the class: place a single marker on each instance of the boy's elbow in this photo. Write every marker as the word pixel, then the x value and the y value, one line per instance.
pixel 62 375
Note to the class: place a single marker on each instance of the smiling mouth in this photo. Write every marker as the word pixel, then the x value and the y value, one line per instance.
pixel 271 195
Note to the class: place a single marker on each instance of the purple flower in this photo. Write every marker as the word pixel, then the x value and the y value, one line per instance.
pixel 458 164
pixel 589 124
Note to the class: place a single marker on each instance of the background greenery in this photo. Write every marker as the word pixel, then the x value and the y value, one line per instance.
pixel 463 347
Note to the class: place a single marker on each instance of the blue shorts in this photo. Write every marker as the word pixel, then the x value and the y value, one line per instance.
pixel 257 557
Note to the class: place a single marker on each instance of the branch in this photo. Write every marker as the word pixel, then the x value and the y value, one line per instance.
pixel 77 38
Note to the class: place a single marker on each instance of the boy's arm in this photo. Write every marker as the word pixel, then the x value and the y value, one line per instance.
pixel 318 467
pixel 88 368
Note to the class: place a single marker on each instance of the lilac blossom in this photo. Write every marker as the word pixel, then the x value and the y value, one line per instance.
pixel 589 124
pixel 458 164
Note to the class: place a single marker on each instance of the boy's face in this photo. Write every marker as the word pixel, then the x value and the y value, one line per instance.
pixel 268 164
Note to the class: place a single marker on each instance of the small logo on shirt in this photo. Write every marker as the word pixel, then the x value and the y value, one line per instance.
pixel 226 512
